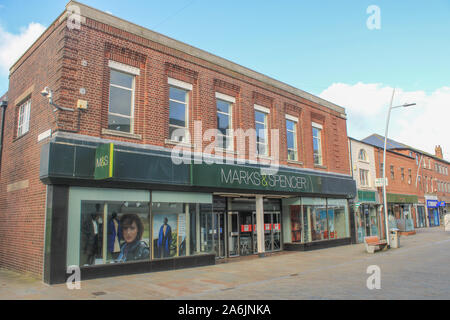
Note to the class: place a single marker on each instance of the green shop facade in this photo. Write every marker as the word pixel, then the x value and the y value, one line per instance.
pixel 116 208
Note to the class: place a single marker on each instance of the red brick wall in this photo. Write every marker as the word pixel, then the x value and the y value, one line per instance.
pixel 55 60
pixel 22 211
pixel 97 43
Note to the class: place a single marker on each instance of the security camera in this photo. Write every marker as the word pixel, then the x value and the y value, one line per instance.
pixel 47 93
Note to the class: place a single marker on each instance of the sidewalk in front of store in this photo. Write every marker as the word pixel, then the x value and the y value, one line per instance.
pixel 232 277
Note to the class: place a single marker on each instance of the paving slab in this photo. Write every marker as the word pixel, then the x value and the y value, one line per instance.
pixel 417 270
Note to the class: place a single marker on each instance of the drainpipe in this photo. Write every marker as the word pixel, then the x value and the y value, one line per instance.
pixel 3 105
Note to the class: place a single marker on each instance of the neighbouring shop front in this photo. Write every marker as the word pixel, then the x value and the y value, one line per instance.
pixel 117 209
pixel 367 215
pixel 421 218
pixel 400 213
pixel 433 213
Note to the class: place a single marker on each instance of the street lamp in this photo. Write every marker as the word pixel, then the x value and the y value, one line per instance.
pixel 384 164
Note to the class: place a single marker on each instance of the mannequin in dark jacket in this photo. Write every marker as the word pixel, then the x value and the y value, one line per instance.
pixel 134 249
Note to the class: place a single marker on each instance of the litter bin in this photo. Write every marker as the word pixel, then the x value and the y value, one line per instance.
pixel 395 238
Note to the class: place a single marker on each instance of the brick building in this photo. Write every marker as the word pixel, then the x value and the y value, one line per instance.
pixel 112 170
pixel 418 184
pixel 368 203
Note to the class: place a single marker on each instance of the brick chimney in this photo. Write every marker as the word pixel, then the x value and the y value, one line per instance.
pixel 438 152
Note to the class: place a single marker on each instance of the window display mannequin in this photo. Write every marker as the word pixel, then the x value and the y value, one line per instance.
pixel 114 236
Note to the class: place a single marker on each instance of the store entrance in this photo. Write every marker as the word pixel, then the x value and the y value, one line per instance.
pixel 272 231
pixel 219 229
pixel 247 233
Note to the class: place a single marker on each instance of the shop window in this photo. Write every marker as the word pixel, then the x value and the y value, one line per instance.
pixel 291 134
pixel 181 228
pixel 315 217
pixel 261 127
pixel 114 232
pixel 23 125
pixel 224 124
pixel 317 143
pixel 121 101
pixel 296 224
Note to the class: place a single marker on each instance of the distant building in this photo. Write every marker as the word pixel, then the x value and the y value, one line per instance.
pixel 419 184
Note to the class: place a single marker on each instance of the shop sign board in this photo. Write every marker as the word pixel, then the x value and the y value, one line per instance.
pixel 442 204
pixel 104 162
pixel 379 182
pixel 246 228
pixel 432 203
pixel 402 198
pixel 229 176
pixel 267 227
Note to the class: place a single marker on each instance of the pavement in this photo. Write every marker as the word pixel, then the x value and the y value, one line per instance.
pixel 420 269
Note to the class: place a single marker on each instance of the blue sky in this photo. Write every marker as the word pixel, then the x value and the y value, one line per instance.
pixel 322 47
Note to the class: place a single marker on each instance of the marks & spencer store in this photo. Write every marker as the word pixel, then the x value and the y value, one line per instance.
pixel 122 208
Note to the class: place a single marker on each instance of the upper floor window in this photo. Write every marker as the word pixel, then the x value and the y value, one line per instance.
pixel 402 170
pixel 417 159
pixel 291 134
pixel 121 97
pixel 23 125
pixel 317 143
pixel 436 167
pixel 261 127
pixel 364 177
pixel 392 173
pixel 224 121
pixel 362 155
pixel 409 176
pixel 179 110
pixel 381 170
pixel 420 182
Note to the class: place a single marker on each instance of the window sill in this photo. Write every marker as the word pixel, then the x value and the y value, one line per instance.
pixel 121 134
pixel 20 137
pixel 319 166
pixel 178 143
pixel 264 157
pixel 295 162
pixel 227 151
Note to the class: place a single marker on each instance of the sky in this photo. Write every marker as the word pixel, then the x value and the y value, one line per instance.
pixel 328 48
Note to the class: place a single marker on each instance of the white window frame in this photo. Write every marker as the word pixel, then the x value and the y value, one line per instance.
pixel 294 133
pixel 266 112
pixel 364 178
pixel 319 127
pixel 133 72
pixel 188 88
pixel 362 152
pixel 23 122
pixel 231 101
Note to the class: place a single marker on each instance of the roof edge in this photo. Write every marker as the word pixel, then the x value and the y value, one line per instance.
pixel 103 17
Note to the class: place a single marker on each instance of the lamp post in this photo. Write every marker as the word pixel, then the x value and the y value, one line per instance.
pixel 384 164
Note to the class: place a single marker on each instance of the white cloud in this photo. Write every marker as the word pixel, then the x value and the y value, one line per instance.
pixel 423 126
pixel 13 46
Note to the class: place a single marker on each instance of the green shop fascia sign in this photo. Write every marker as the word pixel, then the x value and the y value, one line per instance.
pixel 401 198
pixel 104 162
pixel 233 177
pixel 366 196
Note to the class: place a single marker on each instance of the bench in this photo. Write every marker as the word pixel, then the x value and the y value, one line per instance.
pixel 374 244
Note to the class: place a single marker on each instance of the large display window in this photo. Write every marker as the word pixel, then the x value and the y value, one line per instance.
pixel 315 219
pixel 119 226
pixel 182 224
